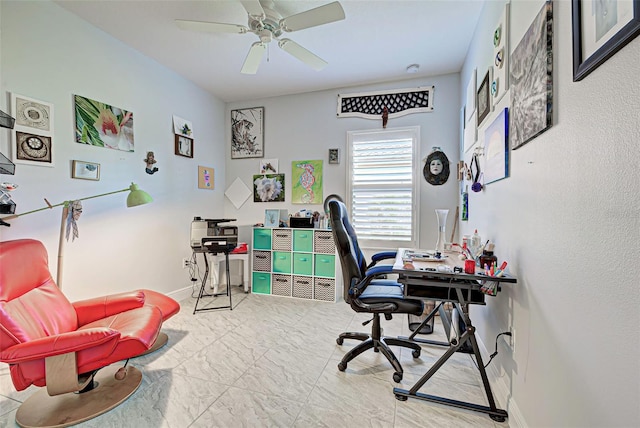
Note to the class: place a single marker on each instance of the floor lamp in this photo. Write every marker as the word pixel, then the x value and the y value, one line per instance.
pixel 136 197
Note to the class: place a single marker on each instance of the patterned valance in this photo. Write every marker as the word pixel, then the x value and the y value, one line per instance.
pixel 399 102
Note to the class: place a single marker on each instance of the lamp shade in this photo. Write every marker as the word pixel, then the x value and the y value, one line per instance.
pixel 137 196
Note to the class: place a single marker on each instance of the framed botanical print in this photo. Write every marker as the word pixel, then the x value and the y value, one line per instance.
pixel 247 133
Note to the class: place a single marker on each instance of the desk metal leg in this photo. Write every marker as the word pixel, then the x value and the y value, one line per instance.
pixel 202 294
pixel 494 413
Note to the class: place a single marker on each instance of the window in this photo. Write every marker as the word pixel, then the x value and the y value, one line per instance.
pixel 382 186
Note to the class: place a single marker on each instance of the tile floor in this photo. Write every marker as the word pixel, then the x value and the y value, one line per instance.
pixel 272 362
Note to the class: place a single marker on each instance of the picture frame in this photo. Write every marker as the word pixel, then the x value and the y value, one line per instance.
pixel 268 188
pixel 334 156
pixel 470 105
pixel 84 170
pixel 483 99
pixel 600 30
pixel 247 133
pixel 32 149
pixel 271 218
pixel 32 134
pixel 184 146
pixel 496 153
pixel 206 177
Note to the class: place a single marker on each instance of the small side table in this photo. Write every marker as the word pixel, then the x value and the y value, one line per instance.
pixel 216 259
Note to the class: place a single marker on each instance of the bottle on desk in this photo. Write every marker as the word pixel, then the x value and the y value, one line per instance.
pixel 487 259
pixel 475 244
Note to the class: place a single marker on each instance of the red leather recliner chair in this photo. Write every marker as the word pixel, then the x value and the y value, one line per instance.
pixel 48 341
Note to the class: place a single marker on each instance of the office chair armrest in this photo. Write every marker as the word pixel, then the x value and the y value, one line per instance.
pixel 384 255
pixel 378 271
pixel 360 306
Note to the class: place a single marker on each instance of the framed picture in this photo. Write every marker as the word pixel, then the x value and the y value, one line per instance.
pixel 33 149
pixel 531 80
pixel 205 178
pixel 32 134
pixel 471 96
pixel 334 156
pixel 184 146
pixel 271 218
pixel 306 182
pixel 600 29
pixel 85 170
pixel 496 141
pixel 483 98
pixel 182 126
pixel 247 133
pixel 102 125
pixel 268 188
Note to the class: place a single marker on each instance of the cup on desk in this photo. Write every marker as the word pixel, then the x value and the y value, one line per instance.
pixel 470 266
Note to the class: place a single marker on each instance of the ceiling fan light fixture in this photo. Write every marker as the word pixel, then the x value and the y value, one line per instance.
pixel 413 68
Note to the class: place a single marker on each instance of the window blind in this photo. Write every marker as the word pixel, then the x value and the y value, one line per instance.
pixel 382 188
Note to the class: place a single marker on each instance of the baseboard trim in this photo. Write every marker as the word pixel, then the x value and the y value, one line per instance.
pixel 501 391
pixel 181 293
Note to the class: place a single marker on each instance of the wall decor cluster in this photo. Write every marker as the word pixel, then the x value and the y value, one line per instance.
pixel 32 132
pixel 600 29
pixel 306 182
pixel 500 81
pixel 206 178
pixel 102 125
pixel 85 170
pixel 531 80
pixel 247 133
pixel 398 102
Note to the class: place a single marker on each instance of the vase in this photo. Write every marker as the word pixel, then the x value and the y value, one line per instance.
pixel 442 223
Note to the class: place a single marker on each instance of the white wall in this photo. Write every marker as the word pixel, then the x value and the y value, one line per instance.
pixel 50 54
pixel 568 222
pixel 299 127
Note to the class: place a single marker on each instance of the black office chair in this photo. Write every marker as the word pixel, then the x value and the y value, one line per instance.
pixel 364 291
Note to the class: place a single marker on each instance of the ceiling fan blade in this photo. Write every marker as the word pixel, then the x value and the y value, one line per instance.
pixel 311 59
pixel 253 8
pixel 320 15
pixel 211 27
pixel 252 61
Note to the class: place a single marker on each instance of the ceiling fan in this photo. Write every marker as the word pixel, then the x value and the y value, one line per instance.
pixel 268 24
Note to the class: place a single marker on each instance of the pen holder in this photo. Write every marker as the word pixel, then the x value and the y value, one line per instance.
pixel 489 288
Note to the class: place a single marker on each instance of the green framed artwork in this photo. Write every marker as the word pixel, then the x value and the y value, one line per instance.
pixel 306 182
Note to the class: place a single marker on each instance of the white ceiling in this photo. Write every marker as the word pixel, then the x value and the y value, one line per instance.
pixel 375 43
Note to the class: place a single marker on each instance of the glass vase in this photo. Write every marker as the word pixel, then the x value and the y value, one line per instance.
pixel 442 223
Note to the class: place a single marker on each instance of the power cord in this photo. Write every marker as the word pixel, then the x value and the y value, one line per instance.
pixel 495 352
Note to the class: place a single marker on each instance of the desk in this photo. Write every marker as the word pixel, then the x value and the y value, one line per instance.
pixel 428 283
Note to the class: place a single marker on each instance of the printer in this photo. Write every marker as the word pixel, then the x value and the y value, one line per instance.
pixel 207 236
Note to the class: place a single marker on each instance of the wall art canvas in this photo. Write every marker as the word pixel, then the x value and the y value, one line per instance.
pixel 102 125
pixel 496 151
pixel 600 29
pixel 306 182
pixel 268 188
pixel 247 133
pixel 182 127
pixel 531 79
pixel 269 166
pixel 32 135
pixel 470 133
pixel 500 81
pixel 237 193
pixel 206 178
pixel 85 170
pixel 471 95
pixel 271 218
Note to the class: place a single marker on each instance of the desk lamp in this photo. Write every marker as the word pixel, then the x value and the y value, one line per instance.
pixel 136 197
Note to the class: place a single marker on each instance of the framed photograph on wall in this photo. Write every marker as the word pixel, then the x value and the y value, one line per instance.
pixel 483 105
pixel 247 133
pixel 184 146
pixel 32 134
pixel 271 218
pixel 85 170
pixel 334 156
pixel 600 29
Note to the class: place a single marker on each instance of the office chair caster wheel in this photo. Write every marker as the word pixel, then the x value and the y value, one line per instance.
pixel 342 366
pixel 415 353
pixel 339 341
pixel 397 377
pixel 401 397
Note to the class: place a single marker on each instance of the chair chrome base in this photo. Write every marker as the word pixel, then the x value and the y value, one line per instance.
pixel 43 410
pixel 379 343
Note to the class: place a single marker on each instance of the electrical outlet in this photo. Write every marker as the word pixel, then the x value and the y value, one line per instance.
pixel 186 263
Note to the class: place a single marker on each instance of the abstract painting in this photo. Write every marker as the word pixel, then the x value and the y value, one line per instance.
pixel 306 182
pixel 102 125
pixel 247 133
pixel 531 79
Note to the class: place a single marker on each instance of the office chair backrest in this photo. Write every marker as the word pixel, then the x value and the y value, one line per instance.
pixel 351 257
